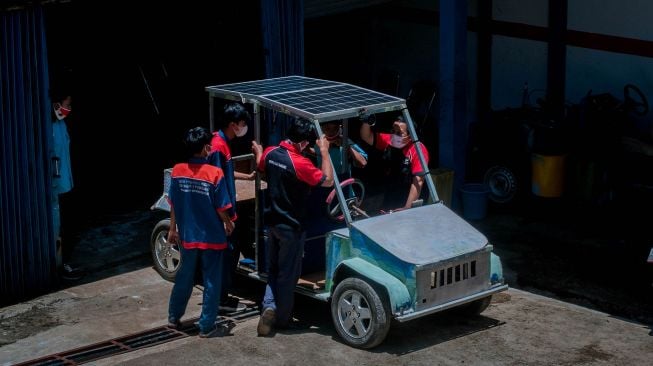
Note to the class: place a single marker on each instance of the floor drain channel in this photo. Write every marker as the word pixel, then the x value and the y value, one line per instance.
pixel 133 342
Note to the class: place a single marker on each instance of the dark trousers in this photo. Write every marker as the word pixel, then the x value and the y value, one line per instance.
pixel 285 248
pixel 211 262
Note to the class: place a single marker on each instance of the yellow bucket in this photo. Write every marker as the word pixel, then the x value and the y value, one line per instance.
pixel 548 175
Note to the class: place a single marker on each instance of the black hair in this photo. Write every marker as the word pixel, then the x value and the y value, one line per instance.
pixel 196 139
pixel 301 130
pixel 234 112
pixel 400 119
pixel 59 94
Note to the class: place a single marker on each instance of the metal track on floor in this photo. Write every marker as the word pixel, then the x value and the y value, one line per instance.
pixel 134 341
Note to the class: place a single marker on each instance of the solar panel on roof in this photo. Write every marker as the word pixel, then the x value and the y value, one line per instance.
pixel 331 99
pixel 277 85
pixel 310 97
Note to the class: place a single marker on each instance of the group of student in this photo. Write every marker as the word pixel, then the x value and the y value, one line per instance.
pixel 203 208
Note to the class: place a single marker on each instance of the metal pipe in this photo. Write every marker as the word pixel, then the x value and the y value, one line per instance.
pixel 420 154
pixel 257 186
pixel 336 182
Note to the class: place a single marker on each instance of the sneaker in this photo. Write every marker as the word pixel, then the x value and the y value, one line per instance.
pixel 219 330
pixel 266 321
pixel 69 272
pixel 231 304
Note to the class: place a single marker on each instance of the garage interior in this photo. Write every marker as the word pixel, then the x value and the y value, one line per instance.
pixel 545 101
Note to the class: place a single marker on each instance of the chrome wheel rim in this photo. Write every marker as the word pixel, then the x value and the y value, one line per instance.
pixel 167 254
pixel 354 314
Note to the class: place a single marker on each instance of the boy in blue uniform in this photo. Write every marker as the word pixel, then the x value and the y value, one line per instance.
pixel 199 223
pixel 234 125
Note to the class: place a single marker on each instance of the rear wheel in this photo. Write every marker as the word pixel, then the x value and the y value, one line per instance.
pixel 358 314
pixel 166 255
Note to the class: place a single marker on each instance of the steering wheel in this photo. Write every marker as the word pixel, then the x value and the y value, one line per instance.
pixel 639 108
pixel 353 199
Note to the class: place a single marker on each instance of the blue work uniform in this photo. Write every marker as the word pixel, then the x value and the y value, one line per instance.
pixel 220 157
pixel 62 176
pixel 290 176
pixel 197 192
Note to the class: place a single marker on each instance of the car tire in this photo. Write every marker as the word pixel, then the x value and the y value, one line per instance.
pixel 166 256
pixel 503 183
pixel 358 314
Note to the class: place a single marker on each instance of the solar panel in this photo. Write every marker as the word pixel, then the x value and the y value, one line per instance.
pixel 312 98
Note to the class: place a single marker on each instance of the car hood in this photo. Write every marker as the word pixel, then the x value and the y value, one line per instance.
pixel 421 235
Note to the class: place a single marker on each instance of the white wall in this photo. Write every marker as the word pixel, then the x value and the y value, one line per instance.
pixel 608 72
pixel 623 18
pixel 515 61
pixel 518 61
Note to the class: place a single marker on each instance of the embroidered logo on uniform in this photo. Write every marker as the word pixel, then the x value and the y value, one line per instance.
pixel 282 166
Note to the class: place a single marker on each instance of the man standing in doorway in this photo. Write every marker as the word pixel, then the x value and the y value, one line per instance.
pixel 62 177
pixel 289 176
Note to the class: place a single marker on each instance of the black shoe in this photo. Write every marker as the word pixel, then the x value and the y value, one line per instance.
pixel 266 322
pixel 69 272
pixel 231 304
pixel 219 330
pixel 174 324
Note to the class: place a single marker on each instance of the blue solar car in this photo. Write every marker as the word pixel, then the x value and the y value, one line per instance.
pixel 373 267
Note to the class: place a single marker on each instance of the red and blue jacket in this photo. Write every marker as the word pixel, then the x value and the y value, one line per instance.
pixel 197 192
pixel 221 157
pixel 289 175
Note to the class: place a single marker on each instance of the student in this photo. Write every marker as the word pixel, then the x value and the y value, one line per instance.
pixel 356 155
pixel 233 125
pixel 62 176
pixel 405 172
pixel 199 224
pixel 289 176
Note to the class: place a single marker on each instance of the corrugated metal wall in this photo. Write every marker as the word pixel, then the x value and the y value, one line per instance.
pixel 27 254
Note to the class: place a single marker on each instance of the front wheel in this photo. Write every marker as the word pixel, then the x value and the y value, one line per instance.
pixel 358 314
pixel 166 255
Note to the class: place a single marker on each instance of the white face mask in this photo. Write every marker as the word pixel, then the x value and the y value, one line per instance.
pixel 397 141
pixel 60 112
pixel 242 131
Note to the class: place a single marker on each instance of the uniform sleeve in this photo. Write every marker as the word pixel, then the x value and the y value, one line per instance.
pixel 216 159
pixel 358 149
pixel 221 200
pixel 415 166
pixel 174 186
pixel 307 172
pixel 382 140
pixel 261 164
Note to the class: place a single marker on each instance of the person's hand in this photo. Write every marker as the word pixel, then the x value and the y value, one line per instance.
pixel 229 227
pixel 257 149
pixel 323 144
pixel 251 175
pixel 173 236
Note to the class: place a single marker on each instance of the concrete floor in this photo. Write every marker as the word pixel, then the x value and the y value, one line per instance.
pixel 591 261
pixel 518 328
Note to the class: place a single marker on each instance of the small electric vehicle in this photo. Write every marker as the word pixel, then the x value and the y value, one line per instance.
pixel 373 269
